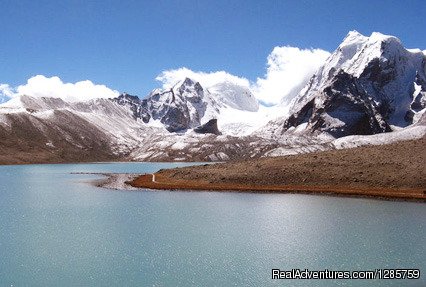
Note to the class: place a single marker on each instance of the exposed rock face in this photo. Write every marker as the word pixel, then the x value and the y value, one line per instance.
pixel 187 104
pixel 343 108
pixel 208 128
pixel 180 108
pixel 368 85
pixel 135 105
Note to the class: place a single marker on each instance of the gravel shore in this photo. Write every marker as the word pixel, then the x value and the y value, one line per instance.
pixel 118 181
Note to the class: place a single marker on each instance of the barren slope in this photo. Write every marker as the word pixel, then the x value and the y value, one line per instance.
pixel 397 168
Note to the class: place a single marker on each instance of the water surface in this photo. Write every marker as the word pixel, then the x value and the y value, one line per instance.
pixel 57 230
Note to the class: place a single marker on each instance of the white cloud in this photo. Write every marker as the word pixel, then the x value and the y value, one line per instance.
pixel 6 92
pixel 171 77
pixel 41 86
pixel 288 70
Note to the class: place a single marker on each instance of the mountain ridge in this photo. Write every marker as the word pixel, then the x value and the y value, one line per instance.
pixel 368 86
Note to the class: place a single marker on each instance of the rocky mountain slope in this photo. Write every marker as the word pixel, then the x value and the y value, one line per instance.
pixel 188 105
pixel 52 130
pixel 369 85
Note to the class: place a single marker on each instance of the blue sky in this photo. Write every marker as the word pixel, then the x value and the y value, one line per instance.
pixel 126 44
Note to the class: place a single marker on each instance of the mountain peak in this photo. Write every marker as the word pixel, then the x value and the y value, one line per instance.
pixel 367 85
pixel 188 82
pixel 353 38
pixel 379 37
pixel 356 37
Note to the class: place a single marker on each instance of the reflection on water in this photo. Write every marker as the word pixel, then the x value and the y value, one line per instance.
pixel 56 230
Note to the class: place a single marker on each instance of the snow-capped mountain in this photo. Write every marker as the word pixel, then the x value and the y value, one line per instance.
pixel 81 125
pixel 175 124
pixel 368 85
pixel 234 96
pixel 371 90
pixel 185 106
pixel 188 105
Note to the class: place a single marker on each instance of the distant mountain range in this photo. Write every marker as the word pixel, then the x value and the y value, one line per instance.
pixel 371 90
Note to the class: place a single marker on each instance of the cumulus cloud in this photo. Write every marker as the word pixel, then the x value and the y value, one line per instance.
pixel 170 77
pixel 41 86
pixel 6 93
pixel 288 70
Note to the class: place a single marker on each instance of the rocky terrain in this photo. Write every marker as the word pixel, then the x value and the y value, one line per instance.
pixel 394 170
pixel 21 140
pixel 187 104
pixel 368 85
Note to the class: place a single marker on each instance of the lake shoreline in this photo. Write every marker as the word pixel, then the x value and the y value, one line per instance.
pixel 164 183
pixel 116 181
pixel 137 182
pixel 392 171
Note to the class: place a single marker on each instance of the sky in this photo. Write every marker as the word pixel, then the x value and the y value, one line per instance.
pixel 136 46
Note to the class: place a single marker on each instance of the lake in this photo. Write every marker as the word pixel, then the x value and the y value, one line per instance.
pixel 58 230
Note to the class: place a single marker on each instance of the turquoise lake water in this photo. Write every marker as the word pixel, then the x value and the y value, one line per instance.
pixel 58 230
